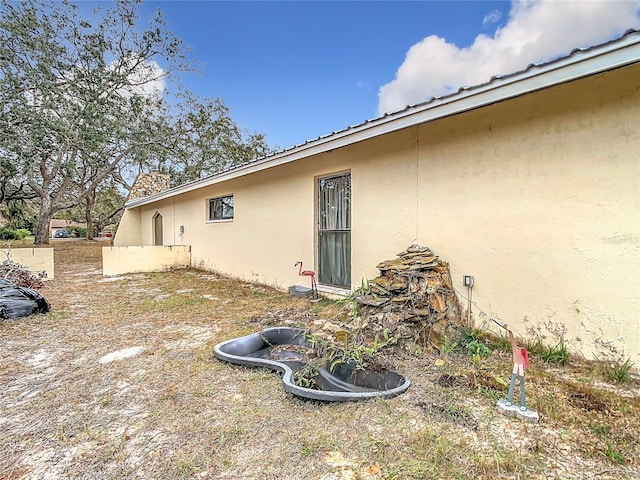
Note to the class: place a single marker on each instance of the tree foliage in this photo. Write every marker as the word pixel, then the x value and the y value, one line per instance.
pixel 83 105
pixel 207 141
pixel 77 96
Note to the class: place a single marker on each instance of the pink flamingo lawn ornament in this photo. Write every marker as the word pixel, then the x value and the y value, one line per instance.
pixel 308 273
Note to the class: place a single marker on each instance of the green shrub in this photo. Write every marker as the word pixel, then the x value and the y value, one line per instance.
pixel 80 232
pixel 501 343
pixel 8 234
pixel 558 353
pixel 474 341
pixel 22 233
pixel 466 335
pixel 614 455
pixel 477 348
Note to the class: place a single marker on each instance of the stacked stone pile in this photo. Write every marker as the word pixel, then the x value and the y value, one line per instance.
pixel 413 298
pixel 147 184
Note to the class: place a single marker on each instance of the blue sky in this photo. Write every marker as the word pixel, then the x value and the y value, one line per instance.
pixel 296 70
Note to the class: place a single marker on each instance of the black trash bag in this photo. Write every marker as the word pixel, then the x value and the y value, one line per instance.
pixel 17 302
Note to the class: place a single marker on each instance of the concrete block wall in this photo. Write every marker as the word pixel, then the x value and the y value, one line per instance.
pixel 36 260
pixel 136 259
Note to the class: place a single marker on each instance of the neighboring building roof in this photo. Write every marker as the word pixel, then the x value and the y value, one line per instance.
pixel 578 64
pixel 62 223
pixel 58 223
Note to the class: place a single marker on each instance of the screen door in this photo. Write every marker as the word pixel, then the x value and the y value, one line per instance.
pixel 334 230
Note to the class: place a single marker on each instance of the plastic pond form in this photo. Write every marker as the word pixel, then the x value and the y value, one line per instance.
pixel 284 349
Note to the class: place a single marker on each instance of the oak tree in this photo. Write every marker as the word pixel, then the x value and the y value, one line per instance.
pixel 78 96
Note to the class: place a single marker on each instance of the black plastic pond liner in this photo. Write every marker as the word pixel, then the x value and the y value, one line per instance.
pixel 342 384
pixel 17 302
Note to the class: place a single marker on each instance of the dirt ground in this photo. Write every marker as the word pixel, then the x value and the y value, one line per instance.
pixel 118 381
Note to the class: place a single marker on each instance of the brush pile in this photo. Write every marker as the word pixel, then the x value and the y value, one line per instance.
pixel 412 299
pixel 18 297
pixel 20 275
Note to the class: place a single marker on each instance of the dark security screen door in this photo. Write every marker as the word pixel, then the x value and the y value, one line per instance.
pixel 334 230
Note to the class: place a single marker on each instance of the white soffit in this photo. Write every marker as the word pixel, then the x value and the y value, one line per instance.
pixel 578 64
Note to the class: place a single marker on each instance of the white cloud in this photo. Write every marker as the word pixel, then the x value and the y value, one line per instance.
pixel 492 17
pixel 144 78
pixel 536 31
pixel 150 80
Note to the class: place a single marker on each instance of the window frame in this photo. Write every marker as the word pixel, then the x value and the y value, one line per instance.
pixel 221 199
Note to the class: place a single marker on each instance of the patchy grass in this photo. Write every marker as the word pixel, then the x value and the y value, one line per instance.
pixel 618 372
pixel 118 381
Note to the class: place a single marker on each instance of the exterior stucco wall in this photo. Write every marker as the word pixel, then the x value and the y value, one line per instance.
pixel 273 225
pixel 385 194
pixel 129 229
pixel 537 197
pixel 275 214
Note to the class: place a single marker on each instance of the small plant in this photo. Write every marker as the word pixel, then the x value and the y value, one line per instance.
pixel 352 305
pixel 614 455
pixel 306 376
pixel 187 467
pixel 468 335
pixel 344 355
pixel 380 343
pixel 448 345
pixel 363 289
pixel 348 350
pixel 477 348
pixel 454 411
pixel 534 345
pixel 599 429
pixel 490 393
pixel 557 354
pixel 414 349
pixel 352 300
pixel 618 372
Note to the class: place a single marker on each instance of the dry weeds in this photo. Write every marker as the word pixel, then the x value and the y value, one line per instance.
pixel 118 381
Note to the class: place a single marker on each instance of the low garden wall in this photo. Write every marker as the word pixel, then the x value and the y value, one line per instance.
pixel 136 259
pixel 36 260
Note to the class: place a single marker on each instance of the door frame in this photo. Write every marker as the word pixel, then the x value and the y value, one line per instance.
pixel 317 229
pixel 157 220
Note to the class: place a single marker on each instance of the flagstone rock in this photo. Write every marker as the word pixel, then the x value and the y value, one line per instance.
pixel 413 297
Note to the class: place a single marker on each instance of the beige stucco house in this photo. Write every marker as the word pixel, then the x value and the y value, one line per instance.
pixel 530 183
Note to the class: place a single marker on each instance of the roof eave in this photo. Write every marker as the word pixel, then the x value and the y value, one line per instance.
pixel 579 64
